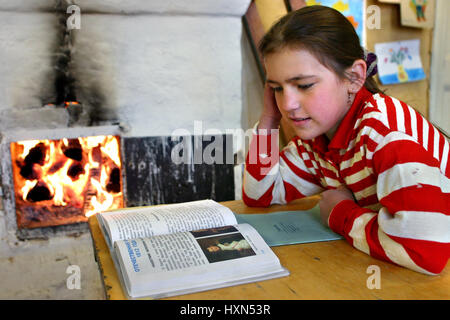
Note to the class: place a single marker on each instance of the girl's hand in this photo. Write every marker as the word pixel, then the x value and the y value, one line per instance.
pixel 271 116
pixel 330 199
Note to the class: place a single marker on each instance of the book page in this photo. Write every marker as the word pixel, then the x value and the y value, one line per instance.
pixel 149 221
pixel 163 253
pixel 204 257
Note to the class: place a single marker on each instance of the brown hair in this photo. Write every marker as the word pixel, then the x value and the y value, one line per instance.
pixel 325 33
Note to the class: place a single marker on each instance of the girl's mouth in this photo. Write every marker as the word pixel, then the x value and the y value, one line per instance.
pixel 300 121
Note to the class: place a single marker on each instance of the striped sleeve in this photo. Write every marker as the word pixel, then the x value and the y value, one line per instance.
pixel 412 228
pixel 273 177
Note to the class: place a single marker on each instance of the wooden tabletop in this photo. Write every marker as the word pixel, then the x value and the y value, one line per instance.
pixel 322 270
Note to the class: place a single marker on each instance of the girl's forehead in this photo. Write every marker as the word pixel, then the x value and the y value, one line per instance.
pixel 286 63
pixel 295 57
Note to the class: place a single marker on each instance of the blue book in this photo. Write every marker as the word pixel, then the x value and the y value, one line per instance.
pixel 289 227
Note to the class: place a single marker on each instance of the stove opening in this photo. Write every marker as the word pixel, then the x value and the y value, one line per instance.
pixel 58 182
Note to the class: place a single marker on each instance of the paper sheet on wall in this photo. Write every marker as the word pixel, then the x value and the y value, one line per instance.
pixel 399 61
pixel 353 10
pixel 417 13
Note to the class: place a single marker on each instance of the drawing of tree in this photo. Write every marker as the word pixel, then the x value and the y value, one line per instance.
pixel 398 57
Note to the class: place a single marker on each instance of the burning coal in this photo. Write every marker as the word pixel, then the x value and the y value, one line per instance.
pixel 83 174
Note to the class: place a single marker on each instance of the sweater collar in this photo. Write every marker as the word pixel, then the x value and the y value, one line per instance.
pixel 343 134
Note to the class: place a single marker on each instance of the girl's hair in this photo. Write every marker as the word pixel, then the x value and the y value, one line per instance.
pixel 325 33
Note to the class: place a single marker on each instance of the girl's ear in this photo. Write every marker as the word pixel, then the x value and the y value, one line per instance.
pixel 356 75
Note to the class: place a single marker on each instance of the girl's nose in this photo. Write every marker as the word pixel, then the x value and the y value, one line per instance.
pixel 289 101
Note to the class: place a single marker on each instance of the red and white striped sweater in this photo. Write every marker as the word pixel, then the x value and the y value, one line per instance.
pixel 392 159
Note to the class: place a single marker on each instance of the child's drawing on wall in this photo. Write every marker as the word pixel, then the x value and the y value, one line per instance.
pixel 419 6
pixel 417 13
pixel 398 57
pixel 353 10
pixel 399 62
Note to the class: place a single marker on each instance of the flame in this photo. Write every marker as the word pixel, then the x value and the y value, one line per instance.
pixel 87 188
pixel 68 103
pixel 101 203
pixel 28 145
pixel 111 148
pixel 27 187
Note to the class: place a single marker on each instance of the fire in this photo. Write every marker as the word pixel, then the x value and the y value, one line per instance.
pixel 69 103
pixel 82 173
pixel 103 201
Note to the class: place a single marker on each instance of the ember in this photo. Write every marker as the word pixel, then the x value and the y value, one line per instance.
pixel 64 181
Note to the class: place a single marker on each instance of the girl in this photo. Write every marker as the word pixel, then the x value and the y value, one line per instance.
pixel 381 167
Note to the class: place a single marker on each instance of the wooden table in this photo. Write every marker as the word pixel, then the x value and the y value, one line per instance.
pixel 322 270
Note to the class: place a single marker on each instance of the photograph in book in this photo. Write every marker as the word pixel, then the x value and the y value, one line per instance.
pixel 225 247
pixel 213 231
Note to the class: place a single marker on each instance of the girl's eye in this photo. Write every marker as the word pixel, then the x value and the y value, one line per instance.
pixel 305 86
pixel 277 89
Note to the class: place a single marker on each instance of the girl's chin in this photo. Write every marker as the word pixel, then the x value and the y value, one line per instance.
pixel 306 134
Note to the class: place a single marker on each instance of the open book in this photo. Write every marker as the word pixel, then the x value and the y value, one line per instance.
pixel 174 249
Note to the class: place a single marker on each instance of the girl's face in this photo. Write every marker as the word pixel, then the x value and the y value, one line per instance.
pixel 311 98
pixel 213 248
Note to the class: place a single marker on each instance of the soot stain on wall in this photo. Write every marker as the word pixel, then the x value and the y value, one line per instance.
pixel 153 178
